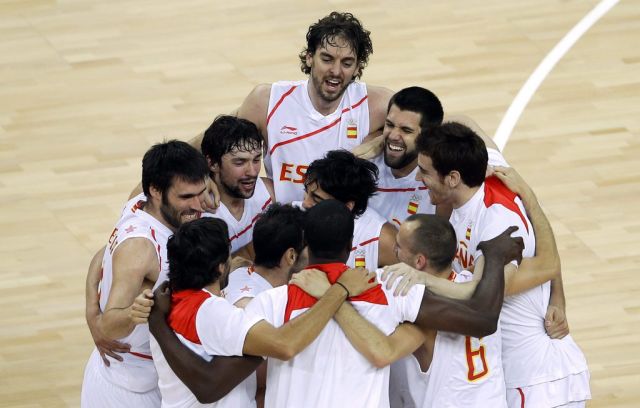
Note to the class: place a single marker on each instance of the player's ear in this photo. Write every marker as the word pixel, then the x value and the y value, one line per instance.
pixel 290 256
pixel 454 179
pixel 420 262
pixel 350 205
pixel 309 59
pixel 155 192
pixel 213 166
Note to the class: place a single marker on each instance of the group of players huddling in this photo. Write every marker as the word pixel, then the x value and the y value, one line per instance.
pixel 391 257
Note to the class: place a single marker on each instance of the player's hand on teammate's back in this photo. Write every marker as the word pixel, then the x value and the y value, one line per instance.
pixel 510 177
pixel 358 280
pixel 141 307
pixel 105 345
pixel 555 322
pixel 409 277
pixel 312 281
pixel 504 245
pixel 161 304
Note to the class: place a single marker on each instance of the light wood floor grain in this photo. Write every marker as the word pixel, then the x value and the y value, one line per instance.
pixel 86 86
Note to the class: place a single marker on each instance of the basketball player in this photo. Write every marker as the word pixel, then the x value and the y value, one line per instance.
pixel 278 240
pixel 342 176
pixel 173 180
pixel 233 148
pixel 539 371
pixel 279 247
pixel 302 120
pixel 198 256
pixel 399 193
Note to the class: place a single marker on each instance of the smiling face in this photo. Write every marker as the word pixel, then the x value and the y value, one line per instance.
pixel 238 172
pixel 401 129
pixel 182 202
pixel 439 191
pixel 333 67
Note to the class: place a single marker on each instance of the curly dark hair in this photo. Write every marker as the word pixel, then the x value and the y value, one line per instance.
pixel 338 25
pixel 345 177
pixel 195 251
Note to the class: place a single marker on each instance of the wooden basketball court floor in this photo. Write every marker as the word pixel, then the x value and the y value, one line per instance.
pixel 87 86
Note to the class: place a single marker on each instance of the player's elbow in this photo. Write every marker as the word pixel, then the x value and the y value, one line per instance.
pixel 206 392
pixel 555 268
pixel 380 361
pixel 488 325
pixel 284 351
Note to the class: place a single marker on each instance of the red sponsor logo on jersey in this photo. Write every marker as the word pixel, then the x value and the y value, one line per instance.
pixel 137 206
pixel 113 240
pixel 288 130
pixel 463 256
pixel 295 173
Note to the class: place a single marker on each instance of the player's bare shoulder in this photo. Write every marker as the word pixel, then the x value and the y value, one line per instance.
pixel 378 103
pixel 255 105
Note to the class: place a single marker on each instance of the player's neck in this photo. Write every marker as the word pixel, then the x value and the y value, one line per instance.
pixel 275 276
pixel 154 211
pixel 406 170
pixel 443 274
pixel 214 288
pixel 235 205
pixel 320 104
pixel 316 260
pixel 463 194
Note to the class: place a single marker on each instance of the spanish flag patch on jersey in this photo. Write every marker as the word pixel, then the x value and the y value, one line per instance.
pixel 352 131
pixel 360 258
pixel 412 208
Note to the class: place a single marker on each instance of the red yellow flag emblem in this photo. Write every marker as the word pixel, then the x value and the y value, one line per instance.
pixel 414 203
pixel 352 131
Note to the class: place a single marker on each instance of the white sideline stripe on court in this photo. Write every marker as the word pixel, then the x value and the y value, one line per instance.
pixel 533 83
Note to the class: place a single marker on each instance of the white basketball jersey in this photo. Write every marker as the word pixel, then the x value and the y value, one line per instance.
pixel 529 356
pixel 298 134
pixel 245 283
pixel 330 372
pixel 366 240
pixel 136 372
pixel 241 231
pixel 398 198
pixel 465 371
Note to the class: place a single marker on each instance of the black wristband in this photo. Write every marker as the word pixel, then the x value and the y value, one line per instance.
pixel 345 288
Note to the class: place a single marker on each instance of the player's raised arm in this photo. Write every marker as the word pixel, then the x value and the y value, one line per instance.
pixel 254 108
